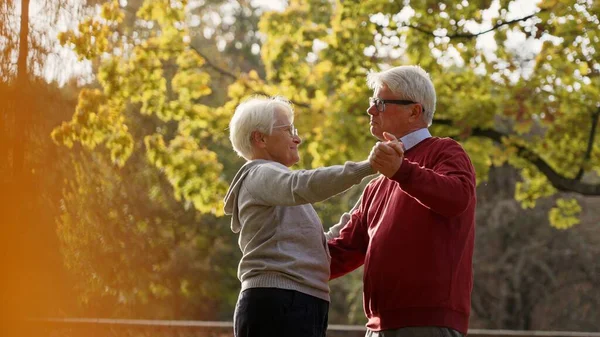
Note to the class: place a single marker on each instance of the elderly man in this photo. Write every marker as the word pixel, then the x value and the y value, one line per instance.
pixel 414 227
pixel 284 268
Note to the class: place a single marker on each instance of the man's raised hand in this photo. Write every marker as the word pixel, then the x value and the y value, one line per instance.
pixel 386 157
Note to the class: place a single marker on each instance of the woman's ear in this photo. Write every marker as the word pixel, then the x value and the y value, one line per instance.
pixel 258 138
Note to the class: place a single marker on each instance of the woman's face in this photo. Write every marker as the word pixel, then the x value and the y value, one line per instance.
pixel 282 143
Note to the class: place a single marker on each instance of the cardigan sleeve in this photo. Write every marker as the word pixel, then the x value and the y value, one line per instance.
pixel 448 187
pixel 272 184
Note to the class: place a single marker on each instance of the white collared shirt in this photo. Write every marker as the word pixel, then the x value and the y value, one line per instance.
pixel 414 138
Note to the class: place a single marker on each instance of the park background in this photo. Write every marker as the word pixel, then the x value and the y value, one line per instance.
pixel 114 150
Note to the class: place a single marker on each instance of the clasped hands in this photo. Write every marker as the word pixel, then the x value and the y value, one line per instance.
pixel 386 157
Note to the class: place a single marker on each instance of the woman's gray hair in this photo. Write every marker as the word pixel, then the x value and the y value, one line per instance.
pixel 408 82
pixel 255 114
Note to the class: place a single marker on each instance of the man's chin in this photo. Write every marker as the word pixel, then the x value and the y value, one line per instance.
pixel 376 132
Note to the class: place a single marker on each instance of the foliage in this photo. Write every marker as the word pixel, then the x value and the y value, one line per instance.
pixel 135 250
pixel 517 89
pixel 140 244
pixel 160 76
pixel 32 168
pixel 528 275
pixel 30 205
pixel 535 99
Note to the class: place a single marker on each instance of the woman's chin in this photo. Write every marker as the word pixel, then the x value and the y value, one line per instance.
pixel 294 160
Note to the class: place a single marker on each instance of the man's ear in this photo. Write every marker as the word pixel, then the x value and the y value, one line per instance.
pixel 258 139
pixel 416 113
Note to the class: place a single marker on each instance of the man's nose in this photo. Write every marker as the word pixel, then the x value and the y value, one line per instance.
pixel 297 140
pixel 372 110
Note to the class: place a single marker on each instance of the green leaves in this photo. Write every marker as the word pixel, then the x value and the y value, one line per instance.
pixel 190 83
pixel 158 76
pixel 97 121
pixel 192 171
pixel 93 35
pixel 142 221
pixel 534 186
pixel 565 214
pixel 527 82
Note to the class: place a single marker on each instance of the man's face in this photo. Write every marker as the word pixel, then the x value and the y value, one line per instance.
pixel 395 119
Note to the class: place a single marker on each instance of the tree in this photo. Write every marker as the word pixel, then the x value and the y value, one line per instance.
pixel 154 97
pixel 231 29
pixel 536 110
pixel 29 106
pixel 161 74
pixel 147 117
pixel 135 250
pixel 528 275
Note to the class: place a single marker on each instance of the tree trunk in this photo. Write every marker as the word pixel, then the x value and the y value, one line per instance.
pixel 21 111
pixel 16 191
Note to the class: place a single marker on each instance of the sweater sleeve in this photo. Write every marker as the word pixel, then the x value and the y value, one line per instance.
pixel 334 231
pixel 277 185
pixel 447 188
pixel 348 245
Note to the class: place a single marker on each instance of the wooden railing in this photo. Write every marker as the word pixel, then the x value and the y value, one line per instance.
pixel 98 327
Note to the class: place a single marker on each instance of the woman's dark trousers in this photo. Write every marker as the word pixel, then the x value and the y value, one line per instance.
pixel 273 312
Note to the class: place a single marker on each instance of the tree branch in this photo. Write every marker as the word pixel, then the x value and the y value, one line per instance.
pixel 211 65
pixel 234 77
pixel 557 180
pixel 473 35
pixel 590 145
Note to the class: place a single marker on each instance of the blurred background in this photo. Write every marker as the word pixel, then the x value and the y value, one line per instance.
pixel 114 150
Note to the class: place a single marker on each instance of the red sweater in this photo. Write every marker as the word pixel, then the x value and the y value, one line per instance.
pixel 415 235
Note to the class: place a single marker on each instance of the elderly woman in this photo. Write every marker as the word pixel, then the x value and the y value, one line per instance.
pixel 284 268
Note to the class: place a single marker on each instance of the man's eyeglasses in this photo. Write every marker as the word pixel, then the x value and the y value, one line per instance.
pixel 380 103
pixel 291 129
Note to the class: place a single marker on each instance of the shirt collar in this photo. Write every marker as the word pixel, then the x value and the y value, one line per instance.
pixel 414 138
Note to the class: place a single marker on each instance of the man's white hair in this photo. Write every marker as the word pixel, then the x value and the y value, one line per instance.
pixel 408 82
pixel 255 114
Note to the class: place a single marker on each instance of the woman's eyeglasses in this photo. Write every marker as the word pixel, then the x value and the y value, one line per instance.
pixel 291 129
